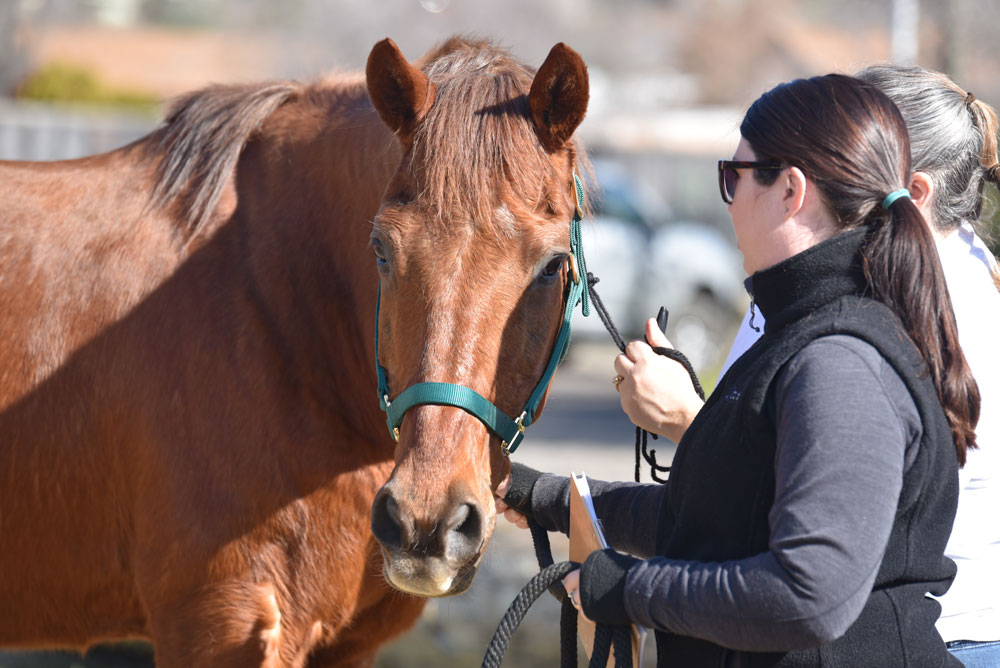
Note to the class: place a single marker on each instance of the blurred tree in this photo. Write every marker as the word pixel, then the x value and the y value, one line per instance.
pixel 66 83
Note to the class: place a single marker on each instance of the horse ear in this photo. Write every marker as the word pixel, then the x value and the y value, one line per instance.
pixel 558 96
pixel 400 92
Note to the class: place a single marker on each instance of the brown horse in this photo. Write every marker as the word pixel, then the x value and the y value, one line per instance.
pixel 190 437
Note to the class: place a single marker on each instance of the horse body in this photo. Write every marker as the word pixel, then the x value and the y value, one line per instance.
pixel 162 421
pixel 53 304
pixel 189 439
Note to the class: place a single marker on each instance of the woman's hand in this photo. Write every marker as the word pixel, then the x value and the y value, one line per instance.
pixel 572 584
pixel 656 391
pixel 509 513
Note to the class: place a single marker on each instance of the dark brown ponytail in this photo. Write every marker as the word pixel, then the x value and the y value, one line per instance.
pixel 904 271
pixel 850 140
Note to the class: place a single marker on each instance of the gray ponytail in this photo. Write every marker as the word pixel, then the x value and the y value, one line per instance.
pixel 953 138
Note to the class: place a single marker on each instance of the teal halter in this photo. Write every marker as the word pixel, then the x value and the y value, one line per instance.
pixel 510 431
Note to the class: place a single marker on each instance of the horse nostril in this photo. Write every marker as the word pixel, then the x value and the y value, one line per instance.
pixel 459 517
pixel 387 527
pixel 465 530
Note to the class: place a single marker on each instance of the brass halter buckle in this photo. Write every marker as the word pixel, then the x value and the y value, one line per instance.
pixel 574 268
pixel 505 447
pixel 395 430
pixel 577 196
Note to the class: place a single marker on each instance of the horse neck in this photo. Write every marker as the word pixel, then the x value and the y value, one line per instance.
pixel 308 188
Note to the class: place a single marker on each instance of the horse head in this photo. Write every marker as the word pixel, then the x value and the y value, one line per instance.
pixel 472 244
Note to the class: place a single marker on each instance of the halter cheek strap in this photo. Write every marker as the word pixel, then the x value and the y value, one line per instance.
pixel 509 430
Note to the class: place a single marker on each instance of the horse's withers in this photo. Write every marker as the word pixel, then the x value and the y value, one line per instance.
pixel 471 242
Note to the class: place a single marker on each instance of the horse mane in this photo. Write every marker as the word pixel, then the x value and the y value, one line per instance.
pixel 478 134
pixel 202 137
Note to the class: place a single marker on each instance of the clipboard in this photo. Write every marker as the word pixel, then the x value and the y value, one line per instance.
pixel 585 536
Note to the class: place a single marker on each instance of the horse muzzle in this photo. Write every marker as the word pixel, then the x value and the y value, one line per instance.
pixel 429 556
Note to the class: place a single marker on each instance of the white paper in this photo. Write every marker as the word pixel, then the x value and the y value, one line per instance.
pixel 580 480
pixel 583 487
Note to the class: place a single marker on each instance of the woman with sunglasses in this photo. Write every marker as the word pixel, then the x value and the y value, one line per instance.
pixel 953 140
pixel 810 501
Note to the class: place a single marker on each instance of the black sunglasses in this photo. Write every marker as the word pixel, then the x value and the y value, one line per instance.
pixel 728 176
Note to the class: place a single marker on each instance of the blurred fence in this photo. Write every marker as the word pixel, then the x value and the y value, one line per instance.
pixel 41 132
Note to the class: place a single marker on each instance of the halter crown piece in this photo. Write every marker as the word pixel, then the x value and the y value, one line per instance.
pixel 510 430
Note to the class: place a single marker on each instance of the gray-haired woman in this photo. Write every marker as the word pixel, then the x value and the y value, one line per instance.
pixel 953 141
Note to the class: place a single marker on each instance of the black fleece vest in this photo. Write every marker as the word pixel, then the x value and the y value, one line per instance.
pixel 722 482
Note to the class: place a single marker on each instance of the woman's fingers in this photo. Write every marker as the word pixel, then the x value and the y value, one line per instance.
pixel 509 513
pixel 636 350
pixel 655 337
pixel 500 493
pixel 503 487
pixel 623 365
pixel 656 391
pixel 516 518
pixel 572 584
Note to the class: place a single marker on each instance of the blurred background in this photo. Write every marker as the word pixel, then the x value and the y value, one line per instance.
pixel 670 80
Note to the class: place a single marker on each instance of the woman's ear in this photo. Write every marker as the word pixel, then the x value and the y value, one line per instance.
pixel 921 189
pixel 795 191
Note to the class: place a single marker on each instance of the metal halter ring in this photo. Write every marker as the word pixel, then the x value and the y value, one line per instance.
pixel 506 447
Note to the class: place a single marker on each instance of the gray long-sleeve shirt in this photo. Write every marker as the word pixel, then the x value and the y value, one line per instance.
pixel 847 429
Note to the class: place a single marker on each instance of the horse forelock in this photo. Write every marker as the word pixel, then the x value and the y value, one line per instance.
pixel 201 140
pixel 478 139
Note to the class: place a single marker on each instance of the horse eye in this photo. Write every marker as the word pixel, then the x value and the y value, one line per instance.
pixel 380 257
pixel 553 268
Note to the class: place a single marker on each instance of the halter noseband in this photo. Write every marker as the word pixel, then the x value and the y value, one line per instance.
pixel 510 431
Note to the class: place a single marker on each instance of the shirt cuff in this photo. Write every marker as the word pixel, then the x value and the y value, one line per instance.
pixel 602 586
pixel 522 481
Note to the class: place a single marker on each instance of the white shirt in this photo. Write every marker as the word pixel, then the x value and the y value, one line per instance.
pixel 971 608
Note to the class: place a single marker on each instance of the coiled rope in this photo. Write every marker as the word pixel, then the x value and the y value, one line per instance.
pixel 550 578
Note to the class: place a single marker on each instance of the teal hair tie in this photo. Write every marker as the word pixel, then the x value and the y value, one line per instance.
pixel 893 196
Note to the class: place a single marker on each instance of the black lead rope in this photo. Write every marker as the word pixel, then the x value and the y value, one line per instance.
pixel 550 578
pixel 546 578
pixel 641 435
pixel 551 574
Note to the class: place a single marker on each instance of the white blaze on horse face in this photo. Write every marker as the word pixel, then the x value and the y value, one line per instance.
pixel 458 319
pixel 504 222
